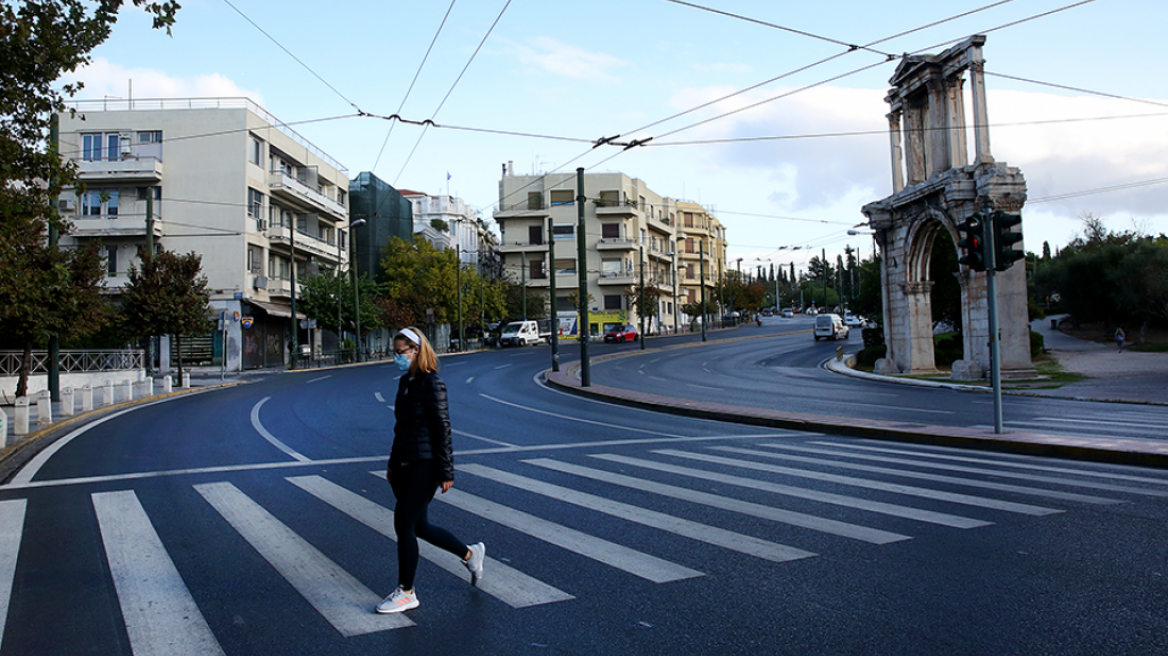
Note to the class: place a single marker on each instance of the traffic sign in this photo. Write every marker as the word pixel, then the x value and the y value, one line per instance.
pixel 247 321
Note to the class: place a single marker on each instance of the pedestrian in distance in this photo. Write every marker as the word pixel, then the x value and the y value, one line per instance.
pixel 1120 336
pixel 420 462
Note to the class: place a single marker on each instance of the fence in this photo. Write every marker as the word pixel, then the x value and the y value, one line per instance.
pixel 74 361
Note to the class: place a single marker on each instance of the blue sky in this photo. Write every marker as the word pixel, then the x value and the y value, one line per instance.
pixel 587 70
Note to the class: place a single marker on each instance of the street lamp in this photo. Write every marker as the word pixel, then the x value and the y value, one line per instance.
pixel 356 288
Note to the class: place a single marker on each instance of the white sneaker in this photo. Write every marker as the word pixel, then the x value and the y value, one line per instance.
pixel 398 601
pixel 478 553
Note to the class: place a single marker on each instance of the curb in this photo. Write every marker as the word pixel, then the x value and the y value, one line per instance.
pixel 14 456
pixel 1114 451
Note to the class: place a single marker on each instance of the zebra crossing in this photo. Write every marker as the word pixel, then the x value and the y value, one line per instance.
pixel 758 482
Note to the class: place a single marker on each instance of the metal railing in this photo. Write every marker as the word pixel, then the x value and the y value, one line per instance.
pixel 73 361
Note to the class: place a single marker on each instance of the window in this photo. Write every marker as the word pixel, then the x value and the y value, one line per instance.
pixel 255 259
pixel 534 200
pixel 91 203
pixel 689 245
pixel 612 301
pixel 536 270
pixel 91 147
pixel 150 136
pixel 535 235
pixel 689 271
pixel 256 151
pixel 343 243
pixel 563 231
pixel 565 267
pixel 341 196
pixel 642 235
pixel 111 202
pixel 112 140
pixel 562 197
pixel 111 260
pixel 687 219
pixel 255 203
pixel 610 230
pixel 691 296
pixel 143 192
pixel 610 268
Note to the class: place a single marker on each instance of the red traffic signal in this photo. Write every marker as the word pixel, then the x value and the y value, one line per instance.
pixel 972 242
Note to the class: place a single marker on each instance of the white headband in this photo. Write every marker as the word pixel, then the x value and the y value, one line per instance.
pixel 410 335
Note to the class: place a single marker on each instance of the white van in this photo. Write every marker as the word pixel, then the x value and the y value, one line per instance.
pixel 830 326
pixel 520 333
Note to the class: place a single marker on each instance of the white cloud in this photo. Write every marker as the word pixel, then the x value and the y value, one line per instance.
pixel 566 60
pixel 103 78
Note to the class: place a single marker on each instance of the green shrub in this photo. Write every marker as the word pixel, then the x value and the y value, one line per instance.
pixel 869 356
pixel 1037 344
pixel 947 348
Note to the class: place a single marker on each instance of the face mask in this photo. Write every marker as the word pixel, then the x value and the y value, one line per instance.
pixel 402 361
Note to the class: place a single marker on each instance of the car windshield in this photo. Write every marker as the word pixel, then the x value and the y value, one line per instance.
pixel 512 328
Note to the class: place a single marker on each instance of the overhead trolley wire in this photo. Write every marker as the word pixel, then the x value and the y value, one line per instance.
pixel 289 53
pixel 415 80
pixel 452 86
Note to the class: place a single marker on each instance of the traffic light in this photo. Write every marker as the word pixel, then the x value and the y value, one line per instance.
pixel 972 242
pixel 1005 237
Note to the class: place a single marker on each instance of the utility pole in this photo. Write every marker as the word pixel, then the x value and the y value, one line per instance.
pixel 54 341
pixel 150 256
pixel 356 290
pixel 458 281
pixel 989 249
pixel 673 268
pixel 295 328
pixel 555 319
pixel 702 272
pixel 582 278
pixel 641 298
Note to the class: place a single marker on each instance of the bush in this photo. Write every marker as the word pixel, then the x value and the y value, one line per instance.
pixel 947 349
pixel 868 357
pixel 872 336
pixel 1037 344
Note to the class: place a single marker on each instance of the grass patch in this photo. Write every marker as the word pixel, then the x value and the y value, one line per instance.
pixel 1049 368
pixel 1147 347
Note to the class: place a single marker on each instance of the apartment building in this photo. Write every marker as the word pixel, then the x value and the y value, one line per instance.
pixel 628 228
pixel 230 182
pixel 701 240
pixel 463 230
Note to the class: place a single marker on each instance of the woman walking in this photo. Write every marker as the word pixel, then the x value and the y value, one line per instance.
pixel 421 461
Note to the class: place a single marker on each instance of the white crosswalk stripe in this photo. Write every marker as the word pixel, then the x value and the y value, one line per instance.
pixel 343 600
pixel 833 527
pixel 160 615
pixel 11 530
pixel 746 544
pixel 506 584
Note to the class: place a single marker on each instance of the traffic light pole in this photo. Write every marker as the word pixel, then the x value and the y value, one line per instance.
pixel 992 303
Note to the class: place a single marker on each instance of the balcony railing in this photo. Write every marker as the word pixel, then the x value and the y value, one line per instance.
pixel 134 169
pixel 526 206
pixel 305 242
pixel 118 225
pixel 614 243
pixel 73 361
pixel 288 188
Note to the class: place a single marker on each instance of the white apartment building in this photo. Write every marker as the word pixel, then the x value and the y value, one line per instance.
pixel 464 223
pixel 229 182
pixel 627 226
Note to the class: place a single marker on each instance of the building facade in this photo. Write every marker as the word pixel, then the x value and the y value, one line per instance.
pixel 387 214
pixel 630 232
pixel 228 181
pixel 463 223
pixel 701 242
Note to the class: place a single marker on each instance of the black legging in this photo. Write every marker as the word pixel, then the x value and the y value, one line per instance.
pixel 414 486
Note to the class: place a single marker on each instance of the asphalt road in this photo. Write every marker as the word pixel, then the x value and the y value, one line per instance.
pixel 254 520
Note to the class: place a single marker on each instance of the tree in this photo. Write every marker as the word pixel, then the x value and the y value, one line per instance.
pixel 646 305
pixel 328 297
pixel 167 296
pixel 419 277
pixel 44 290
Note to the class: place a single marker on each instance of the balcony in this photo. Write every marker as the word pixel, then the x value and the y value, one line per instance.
pixel 616 244
pixel 563 281
pixel 136 170
pixel 524 210
pixel 118 225
pixel 523 247
pixel 660 255
pixel 605 207
pixel 303 197
pixel 617 278
pixel 305 243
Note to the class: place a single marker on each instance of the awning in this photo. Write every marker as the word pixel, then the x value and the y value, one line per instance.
pixel 277 310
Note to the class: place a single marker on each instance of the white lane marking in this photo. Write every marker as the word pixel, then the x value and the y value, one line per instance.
pixel 968 482
pixel 470 380
pixel 379 397
pixel 802 520
pixel 978 470
pixel 1001 463
pixel 898 408
pixel 320 378
pixel 479 437
pixel 160 615
pixel 929 516
pixel 255 422
pixel 745 544
pixel 343 600
pixel 570 418
pixel 11 529
pixel 283 464
pixel 716 389
pixel 895 488
pixel 614 555
pixel 508 585
pixel 503 366
pixel 29 471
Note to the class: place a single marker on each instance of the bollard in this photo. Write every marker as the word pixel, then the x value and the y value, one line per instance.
pixel 105 394
pixel 86 398
pixel 67 406
pixel 186 380
pixel 3 428
pixel 149 383
pixel 167 385
pixel 20 425
pixel 44 407
pixel 127 391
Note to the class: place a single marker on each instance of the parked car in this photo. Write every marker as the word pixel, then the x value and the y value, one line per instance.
pixel 520 333
pixel 621 334
pixel 830 326
pixel 853 320
pixel 788 314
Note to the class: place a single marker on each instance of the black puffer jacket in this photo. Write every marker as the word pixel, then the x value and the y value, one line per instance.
pixel 422 424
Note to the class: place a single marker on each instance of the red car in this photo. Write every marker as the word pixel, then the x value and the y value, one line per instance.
pixel 621 334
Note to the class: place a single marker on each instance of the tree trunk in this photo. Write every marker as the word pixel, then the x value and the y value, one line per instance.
pixel 25 370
